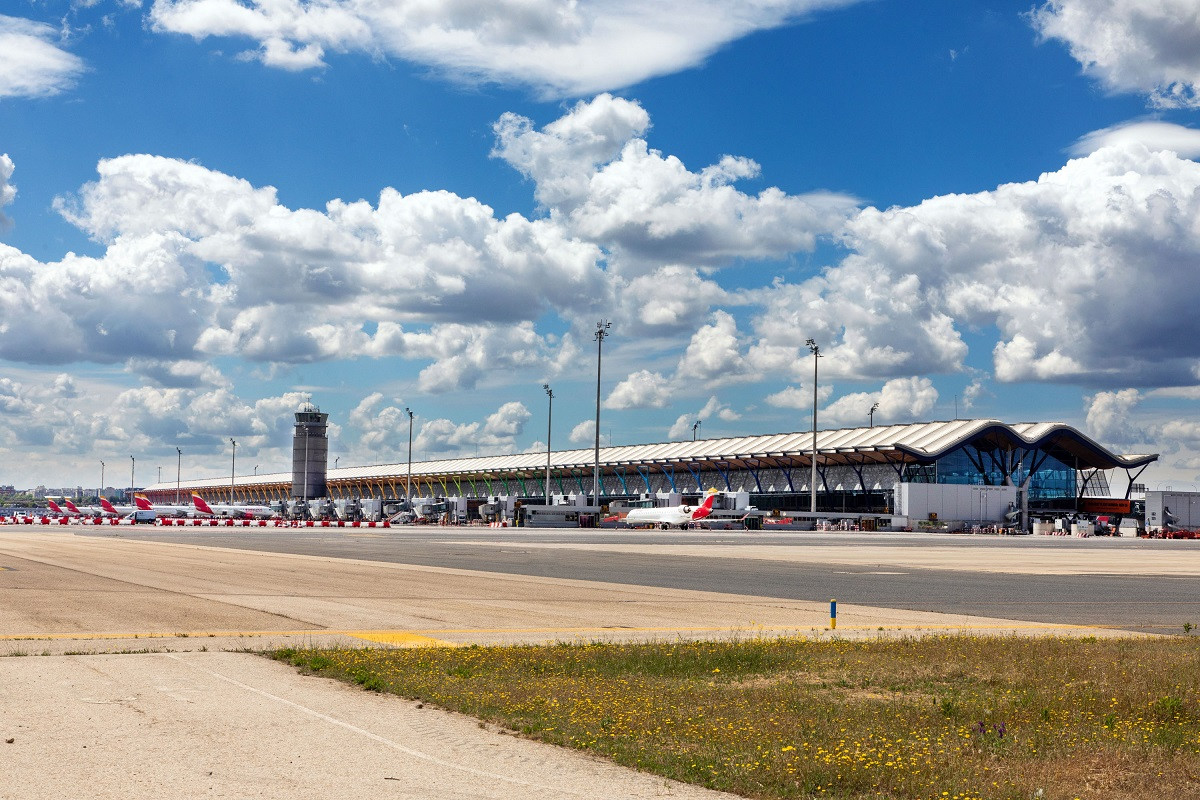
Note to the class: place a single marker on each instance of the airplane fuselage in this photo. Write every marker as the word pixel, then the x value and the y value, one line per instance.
pixel 671 517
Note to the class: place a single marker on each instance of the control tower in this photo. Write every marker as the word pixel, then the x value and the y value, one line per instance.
pixel 310 453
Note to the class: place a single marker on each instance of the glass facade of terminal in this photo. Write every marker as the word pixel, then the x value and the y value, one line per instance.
pixel 1053 478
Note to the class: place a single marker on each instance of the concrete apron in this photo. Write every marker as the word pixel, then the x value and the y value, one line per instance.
pixel 238 725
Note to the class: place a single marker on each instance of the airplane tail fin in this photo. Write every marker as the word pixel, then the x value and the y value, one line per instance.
pixel 142 503
pixel 107 506
pixel 70 506
pixel 705 508
pixel 201 505
pixel 54 507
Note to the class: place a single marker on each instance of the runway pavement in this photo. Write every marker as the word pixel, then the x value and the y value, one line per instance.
pixel 64 592
pixel 190 718
pixel 1133 584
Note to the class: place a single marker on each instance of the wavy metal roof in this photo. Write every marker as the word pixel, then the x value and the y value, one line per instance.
pixel 922 442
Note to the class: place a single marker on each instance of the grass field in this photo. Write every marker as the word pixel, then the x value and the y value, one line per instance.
pixel 938 717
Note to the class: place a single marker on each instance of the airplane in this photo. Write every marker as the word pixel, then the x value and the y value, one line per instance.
pixel 86 511
pixel 671 517
pixel 144 504
pixel 118 511
pixel 54 507
pixel 226 510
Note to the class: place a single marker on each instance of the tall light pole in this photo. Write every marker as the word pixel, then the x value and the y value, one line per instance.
pixel 132 465
pixel 160 474
pixel 408 485
pixel 178 469
pixel 549 417
pixel 101 492
pixel 816 351
pixel 601 331
pixel 232 470
pixel 871 413
pixel 695 427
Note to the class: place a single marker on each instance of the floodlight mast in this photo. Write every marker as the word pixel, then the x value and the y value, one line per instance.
pixel 408 485
pixel 232 471
pixel 816 351
pixel 871 413
pixel 549 418
pixel 178 470
pixel 601 332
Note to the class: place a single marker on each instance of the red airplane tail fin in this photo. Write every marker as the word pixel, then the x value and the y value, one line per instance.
pixel 705 508
pixel 71 506
pixel 54 507
pixel 201 505
pixel 107 506
pixel 142 503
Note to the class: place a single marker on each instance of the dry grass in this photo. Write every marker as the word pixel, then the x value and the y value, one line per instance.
pixel 946 717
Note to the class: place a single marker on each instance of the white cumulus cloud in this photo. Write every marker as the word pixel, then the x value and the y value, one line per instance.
pixel 600 180
pixel 1153 134
pixel 8 192
pixel 714 408
pixel 1131 45
pixel 31 64
pixel 556 47
pixel 199 263
pixel 1088 273
pixel 900 400
pixel 583 433
pixel 377 432
pixel 641 389
pixel 1108 416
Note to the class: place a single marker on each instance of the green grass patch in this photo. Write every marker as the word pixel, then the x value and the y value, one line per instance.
pixel 939 717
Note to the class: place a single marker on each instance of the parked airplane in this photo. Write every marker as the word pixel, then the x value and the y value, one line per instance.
pixel 144 504
pixel 674 516
pixel 54 507
pixel 226 510
pixel 120 511
pixel 86 511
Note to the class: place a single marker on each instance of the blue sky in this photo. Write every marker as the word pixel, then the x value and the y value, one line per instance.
pixel 215 210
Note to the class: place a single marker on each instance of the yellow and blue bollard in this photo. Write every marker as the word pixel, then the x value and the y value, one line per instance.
pixel 833 614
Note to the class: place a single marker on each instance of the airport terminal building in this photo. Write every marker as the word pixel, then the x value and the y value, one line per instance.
pixel 1048 465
